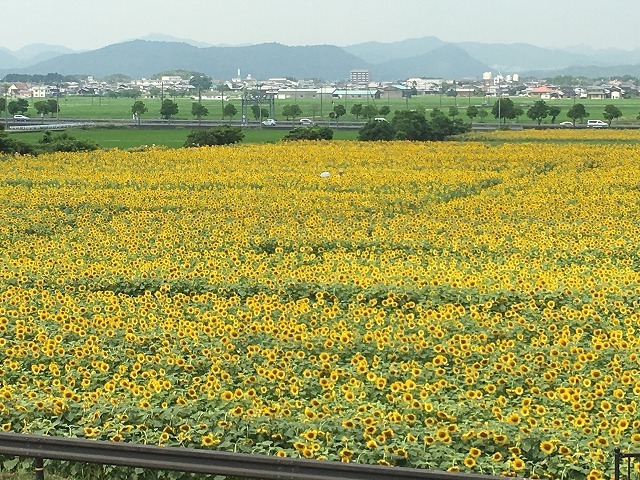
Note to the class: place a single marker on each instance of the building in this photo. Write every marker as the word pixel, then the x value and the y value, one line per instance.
pixel 356 94
pixel 359 76
pixel 39 91
pixel 298 93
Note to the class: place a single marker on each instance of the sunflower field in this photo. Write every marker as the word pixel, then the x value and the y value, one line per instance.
pixel 451 306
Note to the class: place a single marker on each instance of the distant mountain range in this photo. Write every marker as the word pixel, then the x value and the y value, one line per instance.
pixel 419 57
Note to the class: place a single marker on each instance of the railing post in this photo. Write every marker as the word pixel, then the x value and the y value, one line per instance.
pixel 617 457
pixel 38 463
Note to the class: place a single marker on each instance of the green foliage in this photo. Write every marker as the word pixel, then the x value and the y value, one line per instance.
pixel 291 111
pixel 201 82
pixel 369 111
pixel 538 111
pixel 138 108
pixel 20 105
pixel 198 110
pixel 356 110
pixel 64 142
pixel 554 111
pixel 9 145
pixel 577 112
pixel 472 112
pixel 222 135
pixel 504 109
pixel 611 112
pixel 230 110
pixel 168 109
pixel 410 125
pixel 443 127
pixel 384 110
pixel 375 131
pixel 339 111
pixel 309 133
pixel 413 125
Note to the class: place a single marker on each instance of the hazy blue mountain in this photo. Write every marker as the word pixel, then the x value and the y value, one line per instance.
pixel 516 57
pixel 8 59
pixel 161 37
pixel 447 61
pixel 141 58
pixel 427 56
pixel 608 56
pixel 38 52
pixel 588 71
pixel 376 52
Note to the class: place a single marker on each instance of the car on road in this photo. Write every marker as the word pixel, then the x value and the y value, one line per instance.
pixel 597 123
pixel 305 121
pixel 566 124
pixel 21 117
pixel 379 119
pixel 269 122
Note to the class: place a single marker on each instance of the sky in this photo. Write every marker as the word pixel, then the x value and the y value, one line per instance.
pixel 91 24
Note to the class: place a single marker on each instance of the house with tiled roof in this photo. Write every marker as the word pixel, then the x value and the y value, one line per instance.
pixel 545 92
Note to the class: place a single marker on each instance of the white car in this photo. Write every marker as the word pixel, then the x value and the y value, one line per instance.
pixel 566 124
pixel 305 121
pixel 597 123
pixel 269 122
pixel 379 119
pixel 21 117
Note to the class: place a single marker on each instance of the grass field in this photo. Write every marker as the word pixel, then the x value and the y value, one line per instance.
pixel 130 137
pixel 120 108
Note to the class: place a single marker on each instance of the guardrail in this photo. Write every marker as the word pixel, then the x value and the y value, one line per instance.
pixel 618 459
pixel 49 126
pixel 192 460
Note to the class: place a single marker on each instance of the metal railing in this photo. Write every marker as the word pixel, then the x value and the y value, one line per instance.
pixel 192 460
pixel 618 463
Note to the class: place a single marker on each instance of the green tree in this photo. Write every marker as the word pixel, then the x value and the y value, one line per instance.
pixel 291 111
pixel 554 111
pixel 369 111
pixel 222 135
pixel 442 127
pixel 384 110
pixel 64 142
pixel 201 82
pixel 256 111
pixel 356 110
pixel 138 109
pixel 472 112
pixel 53 106
pixel 41 107
pixel 338 111
pixel 198 110
pixel 10 145
pixel 482 114
pixel 229 110
pixel 309 133
pixel 577 112
pixel 168 109
pixel 611 112
pixel 453 111
pixel 376 131
pixel 3 104
pixel 504 109
pixel 538 111
pixel 518 112
pixel 411 125
pixel 18 106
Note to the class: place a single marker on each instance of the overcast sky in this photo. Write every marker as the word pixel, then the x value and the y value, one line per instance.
pixel 90 24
